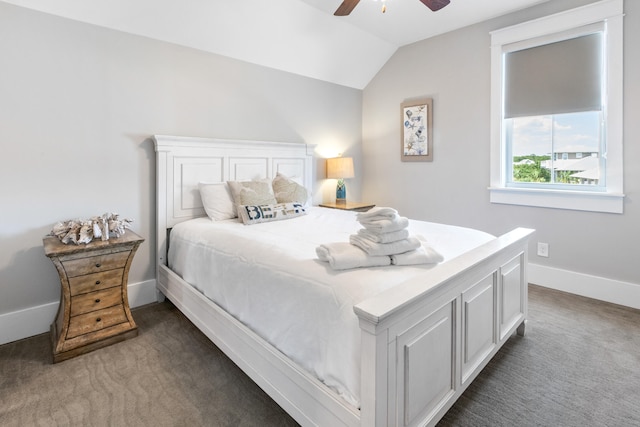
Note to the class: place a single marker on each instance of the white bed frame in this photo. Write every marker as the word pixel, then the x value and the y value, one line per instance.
pixel 423 342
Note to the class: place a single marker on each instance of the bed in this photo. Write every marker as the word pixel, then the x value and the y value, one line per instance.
pixel 418 343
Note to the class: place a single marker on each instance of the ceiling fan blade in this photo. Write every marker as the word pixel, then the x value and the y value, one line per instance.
pixel 435 5
pixel 346 7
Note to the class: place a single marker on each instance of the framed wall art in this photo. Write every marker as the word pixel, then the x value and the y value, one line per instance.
pixel 416 139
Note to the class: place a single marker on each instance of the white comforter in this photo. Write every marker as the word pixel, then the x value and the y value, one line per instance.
pixel 268 276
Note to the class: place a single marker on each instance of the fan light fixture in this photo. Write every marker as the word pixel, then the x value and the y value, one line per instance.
pixel 347 6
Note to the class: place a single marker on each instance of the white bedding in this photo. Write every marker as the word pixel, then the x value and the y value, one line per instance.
pixel 268 276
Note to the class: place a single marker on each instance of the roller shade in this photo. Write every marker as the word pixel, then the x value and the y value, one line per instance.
pixel 555 78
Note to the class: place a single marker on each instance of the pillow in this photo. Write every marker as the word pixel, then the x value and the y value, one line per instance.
pixel 217 200
pixel 266 213
pixel 252 192
pixel 287 190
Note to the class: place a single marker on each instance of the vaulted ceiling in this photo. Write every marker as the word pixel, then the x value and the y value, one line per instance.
pixel 297 36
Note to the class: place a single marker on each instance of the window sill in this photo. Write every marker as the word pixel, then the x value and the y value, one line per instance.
pixel 559 199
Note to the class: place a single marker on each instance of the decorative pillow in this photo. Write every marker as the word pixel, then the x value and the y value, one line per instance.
pixel 266 213
pixel 252 192
pixel 287 190
pixel 217 200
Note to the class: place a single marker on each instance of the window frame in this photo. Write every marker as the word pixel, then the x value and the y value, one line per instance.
pixel 611 199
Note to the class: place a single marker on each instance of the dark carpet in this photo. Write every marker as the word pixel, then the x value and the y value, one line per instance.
pixel 577 365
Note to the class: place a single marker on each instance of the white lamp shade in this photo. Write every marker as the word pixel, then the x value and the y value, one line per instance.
pixel 340 167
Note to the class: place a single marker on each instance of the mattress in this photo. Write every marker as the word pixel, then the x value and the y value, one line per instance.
pixel 268 277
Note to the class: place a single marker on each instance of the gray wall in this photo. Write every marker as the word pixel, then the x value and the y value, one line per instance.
pixel 454 69
pixel 78 104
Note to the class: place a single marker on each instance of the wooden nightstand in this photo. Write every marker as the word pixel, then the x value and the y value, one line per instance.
pixel 348 206
pixel 94 306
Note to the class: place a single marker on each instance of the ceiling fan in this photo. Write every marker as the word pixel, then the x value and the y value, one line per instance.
pixel 348 5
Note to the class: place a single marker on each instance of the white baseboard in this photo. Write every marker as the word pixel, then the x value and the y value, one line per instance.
pixel 31 321
pixel 28 322
pixel 142 293
pixel 601 288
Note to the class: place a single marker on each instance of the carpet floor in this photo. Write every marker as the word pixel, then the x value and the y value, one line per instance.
pixel 577 365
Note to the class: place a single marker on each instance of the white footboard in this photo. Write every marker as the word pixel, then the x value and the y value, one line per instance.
pixel 425 341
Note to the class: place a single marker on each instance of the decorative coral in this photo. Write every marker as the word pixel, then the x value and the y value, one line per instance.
pixel 97 227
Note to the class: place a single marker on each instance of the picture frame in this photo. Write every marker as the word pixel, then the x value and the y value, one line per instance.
pixel 416 130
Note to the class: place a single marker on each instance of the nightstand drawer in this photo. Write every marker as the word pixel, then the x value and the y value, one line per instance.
pixel 96 320
pixel 96 281
pixel 95 264
pixel 95 301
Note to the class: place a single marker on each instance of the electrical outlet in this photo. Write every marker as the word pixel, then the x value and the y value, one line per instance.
pixel 543 249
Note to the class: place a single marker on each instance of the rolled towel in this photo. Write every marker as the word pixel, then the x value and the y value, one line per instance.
pixel 386 225
pixel 393 236
pixel 373 248
pixel 343 256
pixel 422 255
pixel 377 212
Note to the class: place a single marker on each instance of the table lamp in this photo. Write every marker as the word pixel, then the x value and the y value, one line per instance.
pixel 340 168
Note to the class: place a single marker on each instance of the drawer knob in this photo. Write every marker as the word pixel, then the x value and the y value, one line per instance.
pixel 98 319
pixel 97 282
pixel 98 265
pixel 97 300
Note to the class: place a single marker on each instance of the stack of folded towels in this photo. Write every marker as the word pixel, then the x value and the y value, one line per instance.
pixel 384 240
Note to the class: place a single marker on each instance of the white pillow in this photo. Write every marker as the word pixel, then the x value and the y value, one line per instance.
pixel 217 200
pixel 258 192
pixel 266 213
pixel 286 190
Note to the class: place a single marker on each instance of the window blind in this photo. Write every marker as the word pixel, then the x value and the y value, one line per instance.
pixel 555 78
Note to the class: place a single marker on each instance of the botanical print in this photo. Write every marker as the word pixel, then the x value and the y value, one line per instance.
pixel 415 135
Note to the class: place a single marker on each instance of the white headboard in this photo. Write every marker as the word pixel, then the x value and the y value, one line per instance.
pixel 182 162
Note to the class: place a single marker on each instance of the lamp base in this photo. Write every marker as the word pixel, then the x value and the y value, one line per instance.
pixel 341 192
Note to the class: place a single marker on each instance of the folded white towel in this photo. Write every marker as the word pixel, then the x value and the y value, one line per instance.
pixel 385 225
pixel 343 256
pixel 377 212
pixel 373 248
pixel 422 255
pixel 393 236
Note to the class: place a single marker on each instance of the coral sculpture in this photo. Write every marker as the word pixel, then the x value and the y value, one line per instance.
pixel 97 227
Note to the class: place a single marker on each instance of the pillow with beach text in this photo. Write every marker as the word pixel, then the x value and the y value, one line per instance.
pixel 255 214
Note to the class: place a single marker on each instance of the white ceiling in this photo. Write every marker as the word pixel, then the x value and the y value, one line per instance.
pixel 298 36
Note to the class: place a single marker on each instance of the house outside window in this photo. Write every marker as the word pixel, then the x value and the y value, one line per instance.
pixel 556 130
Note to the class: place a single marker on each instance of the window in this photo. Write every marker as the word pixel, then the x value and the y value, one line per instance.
pixel 556 110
